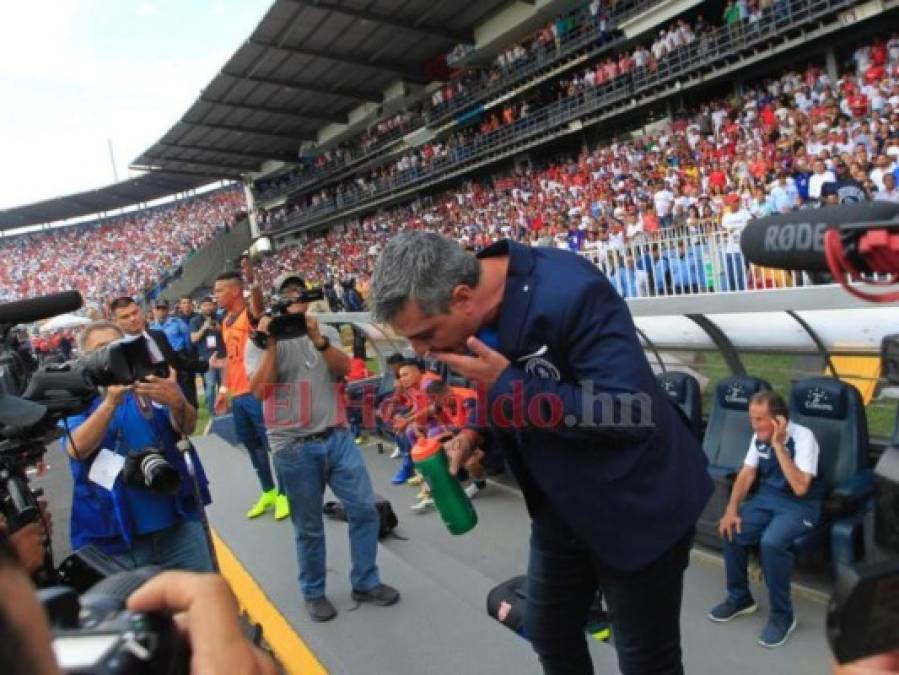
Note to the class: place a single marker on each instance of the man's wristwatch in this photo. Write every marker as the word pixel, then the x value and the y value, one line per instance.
pixel 324 345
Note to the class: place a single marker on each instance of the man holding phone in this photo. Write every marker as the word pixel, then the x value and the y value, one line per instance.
pixel 784 457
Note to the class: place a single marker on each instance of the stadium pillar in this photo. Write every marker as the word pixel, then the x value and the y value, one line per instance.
pixel 251 212
pixel 833 71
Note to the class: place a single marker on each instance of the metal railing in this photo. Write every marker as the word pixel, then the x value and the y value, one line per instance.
pixel 691 264
pixel 585 34
pixel 703 53
pixel 333 167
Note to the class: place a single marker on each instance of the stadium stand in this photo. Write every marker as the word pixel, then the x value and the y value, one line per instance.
pixel 124 255
pixel 661 214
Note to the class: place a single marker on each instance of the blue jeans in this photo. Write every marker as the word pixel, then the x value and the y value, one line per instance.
pixel 179 547
pixel 734 272
pixel 644 606
pixel 250 429
pixel 212 380
pixel 772 523
pixel 305 468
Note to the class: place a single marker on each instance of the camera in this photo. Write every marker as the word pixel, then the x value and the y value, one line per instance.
pixel 286 326
pixel 148 468
pixel 96 634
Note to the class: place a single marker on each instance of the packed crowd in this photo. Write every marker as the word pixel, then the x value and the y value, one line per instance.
pixel 126 255
pixel 797 141
pixel 593 19
pixel 455 146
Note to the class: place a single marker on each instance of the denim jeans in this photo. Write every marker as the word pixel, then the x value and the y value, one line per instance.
pixel 250 429
pixel 772 523
pixel 179 547
pixel 305 468
pixel 644 606
pixel 734 272
pixel 212 380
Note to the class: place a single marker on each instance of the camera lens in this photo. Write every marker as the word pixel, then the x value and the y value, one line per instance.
pixel 159 475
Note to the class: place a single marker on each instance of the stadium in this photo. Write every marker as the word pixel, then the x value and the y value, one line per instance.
pixel 630 140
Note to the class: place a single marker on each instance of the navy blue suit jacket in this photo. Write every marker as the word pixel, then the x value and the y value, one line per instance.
pixel 629 491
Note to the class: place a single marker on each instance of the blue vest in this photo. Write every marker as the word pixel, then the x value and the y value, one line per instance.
pixel 111 519
pixel 771 476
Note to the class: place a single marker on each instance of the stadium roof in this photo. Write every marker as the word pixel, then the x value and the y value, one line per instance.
pixel 306 65
pixel 118 195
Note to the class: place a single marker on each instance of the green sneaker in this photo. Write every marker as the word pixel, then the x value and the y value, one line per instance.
pixel 266 501
pixel 282 507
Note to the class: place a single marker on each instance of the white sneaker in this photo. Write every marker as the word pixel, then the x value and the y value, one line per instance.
pixel 472 490
pixel 395 454
pixel 424 505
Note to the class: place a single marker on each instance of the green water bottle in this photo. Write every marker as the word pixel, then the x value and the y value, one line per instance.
pixel 452 503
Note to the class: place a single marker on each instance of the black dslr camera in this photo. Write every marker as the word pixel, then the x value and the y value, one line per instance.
pixel 863 616
pixel 95 634
pixel 286 326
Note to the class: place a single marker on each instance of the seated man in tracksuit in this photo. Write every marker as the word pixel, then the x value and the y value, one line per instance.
pixel 783 456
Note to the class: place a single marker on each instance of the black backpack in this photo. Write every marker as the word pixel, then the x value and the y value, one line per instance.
pixel 389 520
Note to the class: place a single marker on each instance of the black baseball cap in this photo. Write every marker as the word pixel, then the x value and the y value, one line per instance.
pixel 162 304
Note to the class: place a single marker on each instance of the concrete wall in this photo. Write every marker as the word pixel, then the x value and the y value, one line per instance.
pixel 206 264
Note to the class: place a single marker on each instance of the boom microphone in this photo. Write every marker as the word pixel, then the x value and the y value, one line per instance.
pixel 795 241
pixel 43 307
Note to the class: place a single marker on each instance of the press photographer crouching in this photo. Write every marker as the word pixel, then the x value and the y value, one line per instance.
pixel 133 497
pixel 294 366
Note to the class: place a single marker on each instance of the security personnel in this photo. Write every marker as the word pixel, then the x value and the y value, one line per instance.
pixel 613 477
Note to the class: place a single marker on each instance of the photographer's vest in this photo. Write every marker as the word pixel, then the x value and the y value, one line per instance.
pixel 236 332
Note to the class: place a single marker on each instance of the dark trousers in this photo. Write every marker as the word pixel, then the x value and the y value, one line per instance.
pixel 644 606
pixel 187 380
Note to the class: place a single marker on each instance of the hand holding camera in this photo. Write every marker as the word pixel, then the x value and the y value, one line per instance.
pixel 160 390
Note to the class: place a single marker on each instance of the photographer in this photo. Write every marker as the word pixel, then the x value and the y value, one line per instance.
pixel 204 608
pixel 130 319
pixel 312 448
pixel 123 516
pixel 206 335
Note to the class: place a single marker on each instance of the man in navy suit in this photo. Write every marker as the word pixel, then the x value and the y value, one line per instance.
pixel 613 478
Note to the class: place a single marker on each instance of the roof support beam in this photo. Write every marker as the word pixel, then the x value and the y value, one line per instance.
pixel 194 162
pixel 263 156
pixel 399 23
pixel 399 69
pixel 252 130
pixel 319 117
pixel 355 94
pixel 212 176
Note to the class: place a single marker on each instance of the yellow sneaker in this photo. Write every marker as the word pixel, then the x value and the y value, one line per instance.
pixel 415 480
pixel 282 507
pixel 266 501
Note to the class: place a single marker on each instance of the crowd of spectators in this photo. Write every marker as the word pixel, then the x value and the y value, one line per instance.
pixel 125 255
pixel 458 144
pixel 801 140
pixel 593 19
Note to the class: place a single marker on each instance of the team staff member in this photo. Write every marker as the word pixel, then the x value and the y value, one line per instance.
pixel 206 335
pixel 614 486
pixel 247 411
pixel 131 523
pixel 298 379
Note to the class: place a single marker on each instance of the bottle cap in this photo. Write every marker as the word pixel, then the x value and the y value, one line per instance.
pixel 424 448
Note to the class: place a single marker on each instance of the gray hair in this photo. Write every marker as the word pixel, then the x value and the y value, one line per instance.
pixel 93 328
pixel 420 266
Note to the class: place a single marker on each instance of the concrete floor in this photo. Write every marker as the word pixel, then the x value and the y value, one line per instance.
pixel 440 627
